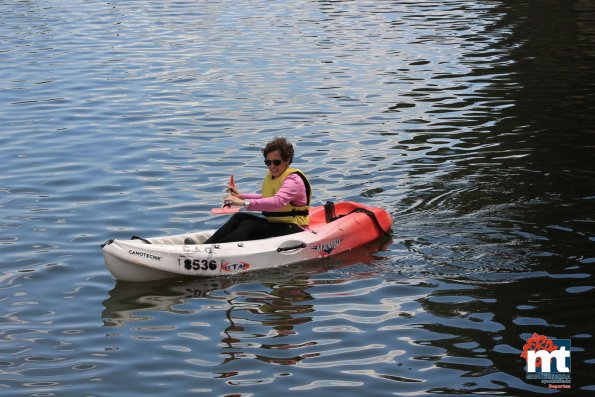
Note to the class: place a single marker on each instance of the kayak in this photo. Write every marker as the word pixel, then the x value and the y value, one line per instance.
pixel 334 228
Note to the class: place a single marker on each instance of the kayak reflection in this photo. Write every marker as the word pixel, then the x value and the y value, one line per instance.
pixel 128 298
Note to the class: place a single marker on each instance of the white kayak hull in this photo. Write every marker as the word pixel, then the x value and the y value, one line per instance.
pixel 168 256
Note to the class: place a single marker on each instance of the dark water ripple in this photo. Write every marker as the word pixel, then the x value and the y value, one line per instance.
pixel 472 123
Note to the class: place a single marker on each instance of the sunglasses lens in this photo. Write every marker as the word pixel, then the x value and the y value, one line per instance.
pixel 269 162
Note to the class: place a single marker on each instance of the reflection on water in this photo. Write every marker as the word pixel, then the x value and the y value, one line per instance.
pixel 344 318
pixel 471 122
pixel 127 297
pixel 290 320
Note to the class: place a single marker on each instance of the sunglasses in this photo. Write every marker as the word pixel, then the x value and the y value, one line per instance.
pixel 269 162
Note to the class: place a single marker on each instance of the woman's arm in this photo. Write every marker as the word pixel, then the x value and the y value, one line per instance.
pixel 292 190
pixel 250 196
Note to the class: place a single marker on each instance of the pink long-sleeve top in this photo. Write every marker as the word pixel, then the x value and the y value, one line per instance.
pixel 292 190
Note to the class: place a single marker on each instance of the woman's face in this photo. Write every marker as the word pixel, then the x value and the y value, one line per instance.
pixel 275 157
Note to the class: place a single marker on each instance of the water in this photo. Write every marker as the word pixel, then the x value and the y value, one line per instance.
pixel 470 122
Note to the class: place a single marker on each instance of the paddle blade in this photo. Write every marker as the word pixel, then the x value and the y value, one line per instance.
pixel 224 210
pixel 231 182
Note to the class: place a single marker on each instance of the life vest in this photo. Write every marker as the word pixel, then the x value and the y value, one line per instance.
pixel 290 213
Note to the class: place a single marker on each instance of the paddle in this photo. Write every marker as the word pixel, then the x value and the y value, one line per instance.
pixel 224 210
pixel 227 208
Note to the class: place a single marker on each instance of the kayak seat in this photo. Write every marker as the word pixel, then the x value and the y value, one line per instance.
pixel 329 212
pixel 330 215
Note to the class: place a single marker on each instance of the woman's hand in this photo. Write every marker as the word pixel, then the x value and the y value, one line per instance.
pixel 233 200
pixel 232 190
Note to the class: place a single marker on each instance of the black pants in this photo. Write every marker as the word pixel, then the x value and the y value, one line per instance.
pixel 243 227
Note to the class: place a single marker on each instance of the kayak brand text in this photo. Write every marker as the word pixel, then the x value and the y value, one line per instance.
pixel 327 248
pixel 235 267
pixel 144 255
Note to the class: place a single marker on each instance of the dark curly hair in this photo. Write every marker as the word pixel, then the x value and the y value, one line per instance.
pixel 280 144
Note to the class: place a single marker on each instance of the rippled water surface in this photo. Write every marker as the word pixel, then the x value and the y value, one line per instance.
pixel 471 122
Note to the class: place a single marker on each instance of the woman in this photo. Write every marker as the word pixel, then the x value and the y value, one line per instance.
pixel 284 202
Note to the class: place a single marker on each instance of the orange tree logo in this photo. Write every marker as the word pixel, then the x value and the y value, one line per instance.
pixel 537 343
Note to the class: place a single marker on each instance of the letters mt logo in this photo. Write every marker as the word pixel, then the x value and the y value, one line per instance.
pixel 548 360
